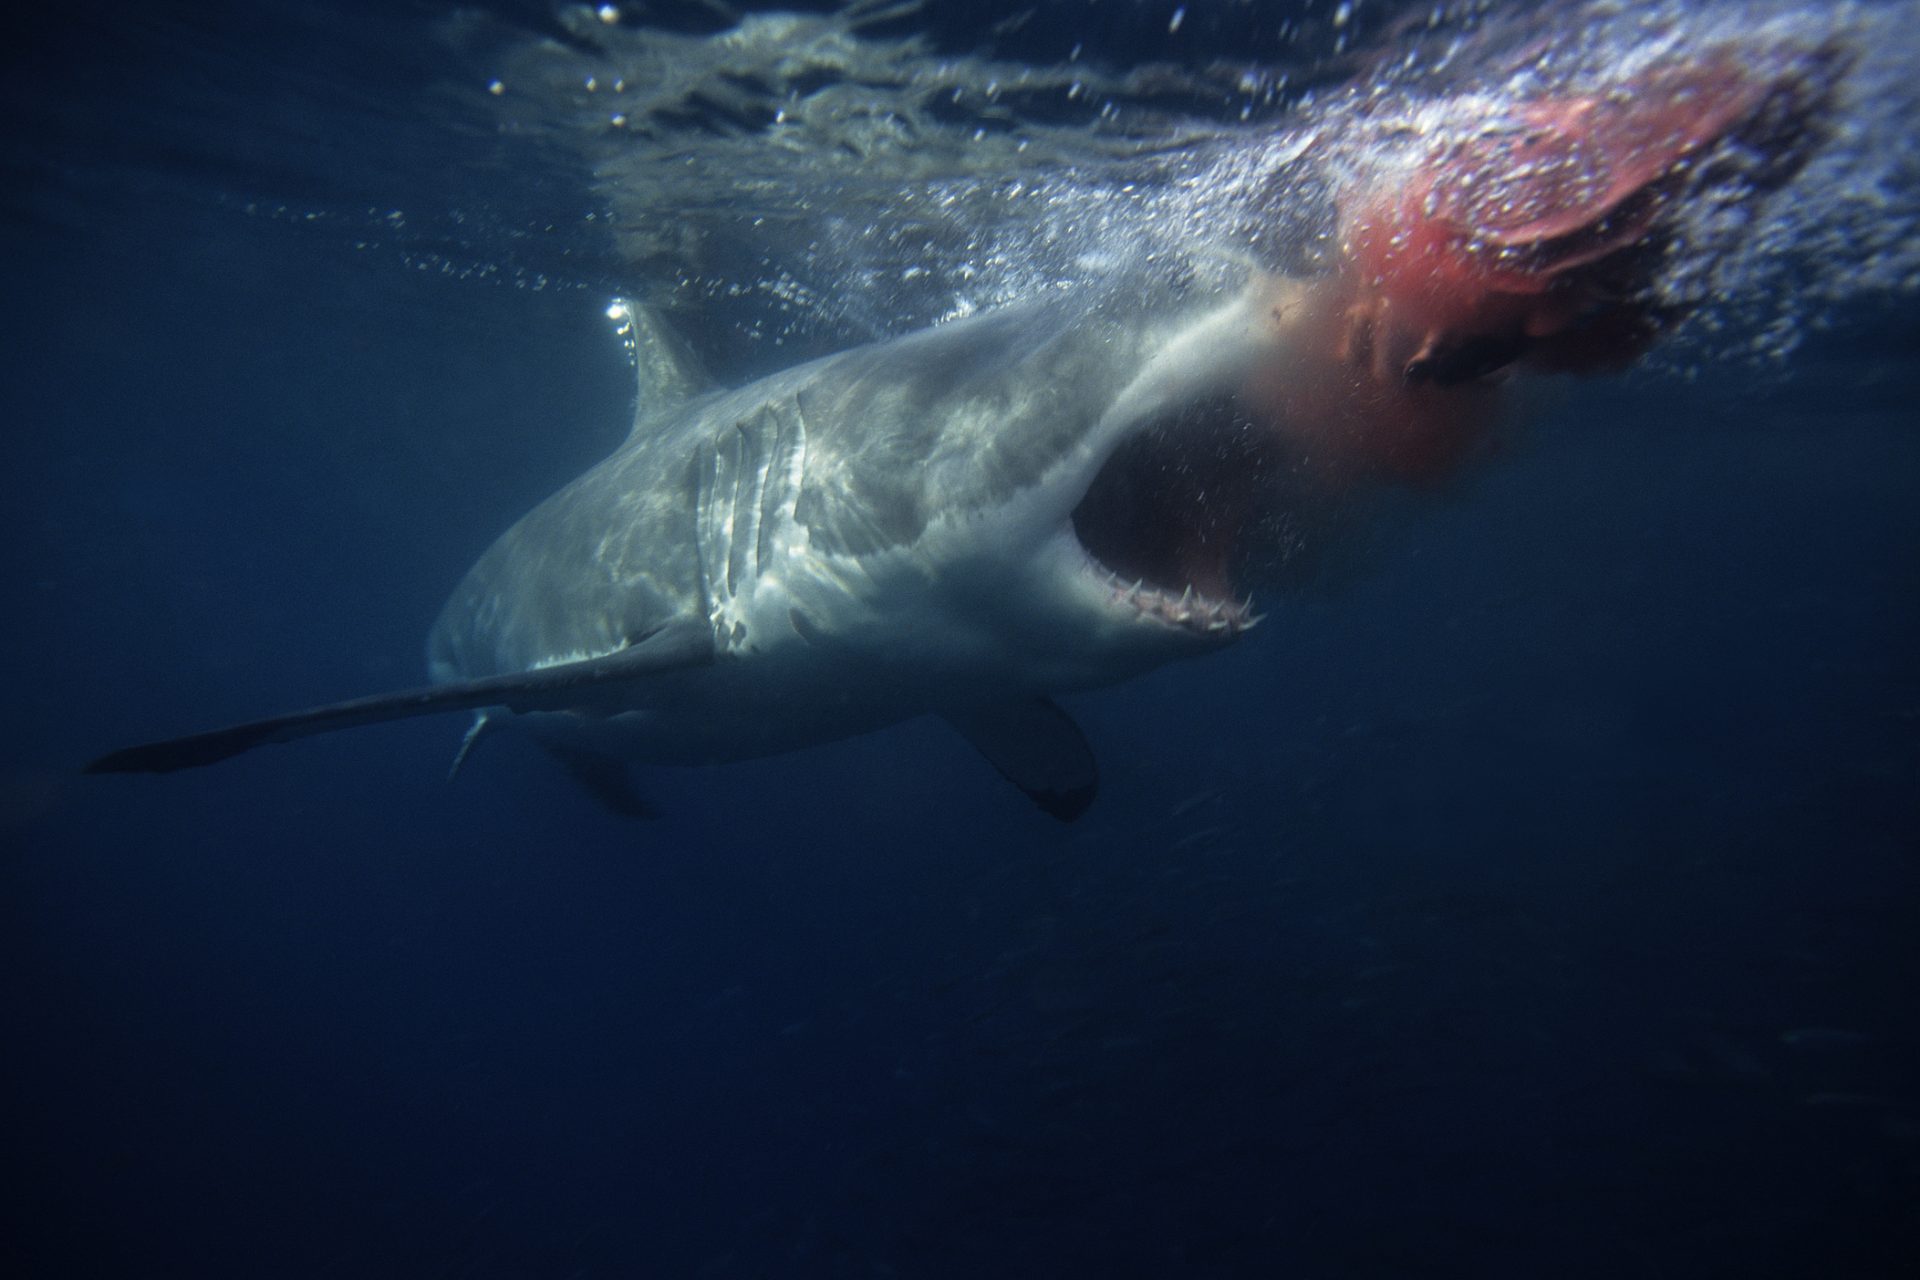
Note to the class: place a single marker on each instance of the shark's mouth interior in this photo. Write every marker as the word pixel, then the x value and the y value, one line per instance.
pixel 1168 516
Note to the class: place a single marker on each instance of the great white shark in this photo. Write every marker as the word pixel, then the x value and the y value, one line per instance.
pixel 934 524
pixel 1050 497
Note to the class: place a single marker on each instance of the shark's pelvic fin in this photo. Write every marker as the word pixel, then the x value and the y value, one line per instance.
pixel 476 731
pixel 683 643
pixel 1038 748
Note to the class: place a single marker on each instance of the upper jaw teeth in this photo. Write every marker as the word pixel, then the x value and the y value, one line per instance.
pixel 1198 613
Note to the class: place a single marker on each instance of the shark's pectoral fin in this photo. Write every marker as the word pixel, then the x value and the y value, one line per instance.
pixel 608 779
pixel 676 646
pixel 1038 748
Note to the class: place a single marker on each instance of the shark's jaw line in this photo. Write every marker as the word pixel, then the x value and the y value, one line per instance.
pixel 1201 615
pixel 1145 528
pixel 1157 515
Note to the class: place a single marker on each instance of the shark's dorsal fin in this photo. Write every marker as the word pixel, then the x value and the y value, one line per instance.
pixel 666 372
pixel 687 642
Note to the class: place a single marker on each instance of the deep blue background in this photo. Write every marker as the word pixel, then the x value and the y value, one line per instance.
pixel 1454 924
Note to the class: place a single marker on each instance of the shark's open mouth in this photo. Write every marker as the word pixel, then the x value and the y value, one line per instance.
pixel 1166 516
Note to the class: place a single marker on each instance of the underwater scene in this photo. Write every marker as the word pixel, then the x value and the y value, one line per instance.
pixel 1033 638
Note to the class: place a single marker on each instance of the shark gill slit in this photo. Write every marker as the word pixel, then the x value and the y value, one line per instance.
pixel 781 492
pixel 755 442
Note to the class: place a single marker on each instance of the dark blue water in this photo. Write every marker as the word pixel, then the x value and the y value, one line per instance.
pixel 1539 899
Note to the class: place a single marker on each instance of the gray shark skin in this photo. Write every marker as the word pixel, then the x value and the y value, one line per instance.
pixel 962 521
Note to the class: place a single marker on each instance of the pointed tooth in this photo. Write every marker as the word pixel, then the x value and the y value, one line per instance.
pixel 1220 624
pixel 1254 620
pixel 1187 595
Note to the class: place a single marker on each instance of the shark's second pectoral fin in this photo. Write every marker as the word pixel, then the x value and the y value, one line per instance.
pixel 1038 748
pixel 676 646
pixel 607 778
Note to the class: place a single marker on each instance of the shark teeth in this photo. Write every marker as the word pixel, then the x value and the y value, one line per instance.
pixel 1189 610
